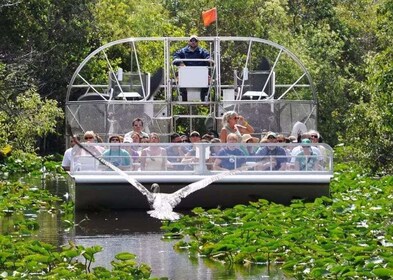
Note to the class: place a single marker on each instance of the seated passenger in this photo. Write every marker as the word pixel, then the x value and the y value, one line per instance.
pixel 91 137
pixel 247 149
pixel 134 149
pixel 117 156
pixel 295 151
pixel 306 159
pixel 229 157
pixel 316 138
pixel 154 157
pixel 67 158
pixel 175 153
pixel 271 157
pixel 214 149
pixel 83 160
pixel 189 157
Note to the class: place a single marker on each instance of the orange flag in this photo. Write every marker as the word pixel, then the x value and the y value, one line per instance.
pixel 209 16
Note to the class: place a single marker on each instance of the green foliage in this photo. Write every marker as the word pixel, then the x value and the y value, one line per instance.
pixel 346 235
pixel 369 121
pixel 22 257
pixel 24 116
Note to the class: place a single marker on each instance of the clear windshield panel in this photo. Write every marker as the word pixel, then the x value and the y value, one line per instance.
pixel 202 158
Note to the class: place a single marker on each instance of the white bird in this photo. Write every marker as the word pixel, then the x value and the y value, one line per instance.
pixel 162 204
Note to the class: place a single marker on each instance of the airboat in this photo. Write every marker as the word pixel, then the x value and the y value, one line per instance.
pixel 137 78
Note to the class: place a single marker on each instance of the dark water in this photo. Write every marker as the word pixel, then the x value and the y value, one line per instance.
pixel 137 233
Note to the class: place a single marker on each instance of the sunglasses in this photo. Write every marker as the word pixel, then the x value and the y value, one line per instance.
pixel 280 141
pixel 89 137
pixel 193 40
pixel 115 140
pixel 194 135
pixel 236 118
pixel 314 136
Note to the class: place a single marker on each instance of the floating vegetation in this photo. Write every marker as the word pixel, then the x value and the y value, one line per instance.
pixel 346 235
pixel 24 257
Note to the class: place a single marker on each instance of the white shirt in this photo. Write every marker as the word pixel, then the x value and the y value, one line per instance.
pixel 67 158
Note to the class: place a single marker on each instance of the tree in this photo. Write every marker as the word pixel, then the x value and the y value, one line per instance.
pixel 24 116
pixel 369 122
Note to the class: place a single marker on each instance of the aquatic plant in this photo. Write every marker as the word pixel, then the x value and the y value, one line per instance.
pixel 22 256
pixel 32 259
pixel 349 234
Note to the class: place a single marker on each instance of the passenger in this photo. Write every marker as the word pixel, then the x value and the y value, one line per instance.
pixel 229 157
pixel 185 138
pixel 207 137
pixel 190 157
pixel 316 138
pixel 117 156
pixel 67 158
pixel 176 153
pixel 192 51
pixel 233 123
pixel 271 157
pixel 137 126
pixel 214 149
pixel 134 150
pixel 154 157
pixel 249 150
pixel 145 139
pixel 83 159
pixel 91 137
pixel 282 139
pixel 292 139
pixel 295 151
pixel 306 159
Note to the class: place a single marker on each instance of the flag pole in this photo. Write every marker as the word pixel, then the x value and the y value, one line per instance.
pixel 216 22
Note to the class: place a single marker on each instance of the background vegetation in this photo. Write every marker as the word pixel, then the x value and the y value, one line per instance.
pixel 344 44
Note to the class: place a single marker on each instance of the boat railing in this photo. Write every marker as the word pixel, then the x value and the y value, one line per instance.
pixel 203 158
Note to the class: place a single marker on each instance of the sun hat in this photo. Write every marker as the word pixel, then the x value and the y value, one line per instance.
pixel 246 137
pixel 271 134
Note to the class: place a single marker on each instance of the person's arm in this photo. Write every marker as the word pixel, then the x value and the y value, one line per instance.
pixel 217 165
pixel 188 158
pixel 179 54
pixel 245 127
pixel 66 163
pixel 223 135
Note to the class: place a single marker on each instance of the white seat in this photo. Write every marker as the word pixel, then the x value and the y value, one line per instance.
pixel 193 77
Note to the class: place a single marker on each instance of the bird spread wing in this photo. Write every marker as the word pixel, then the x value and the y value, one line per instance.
pixel 131 180
pixel 193 187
